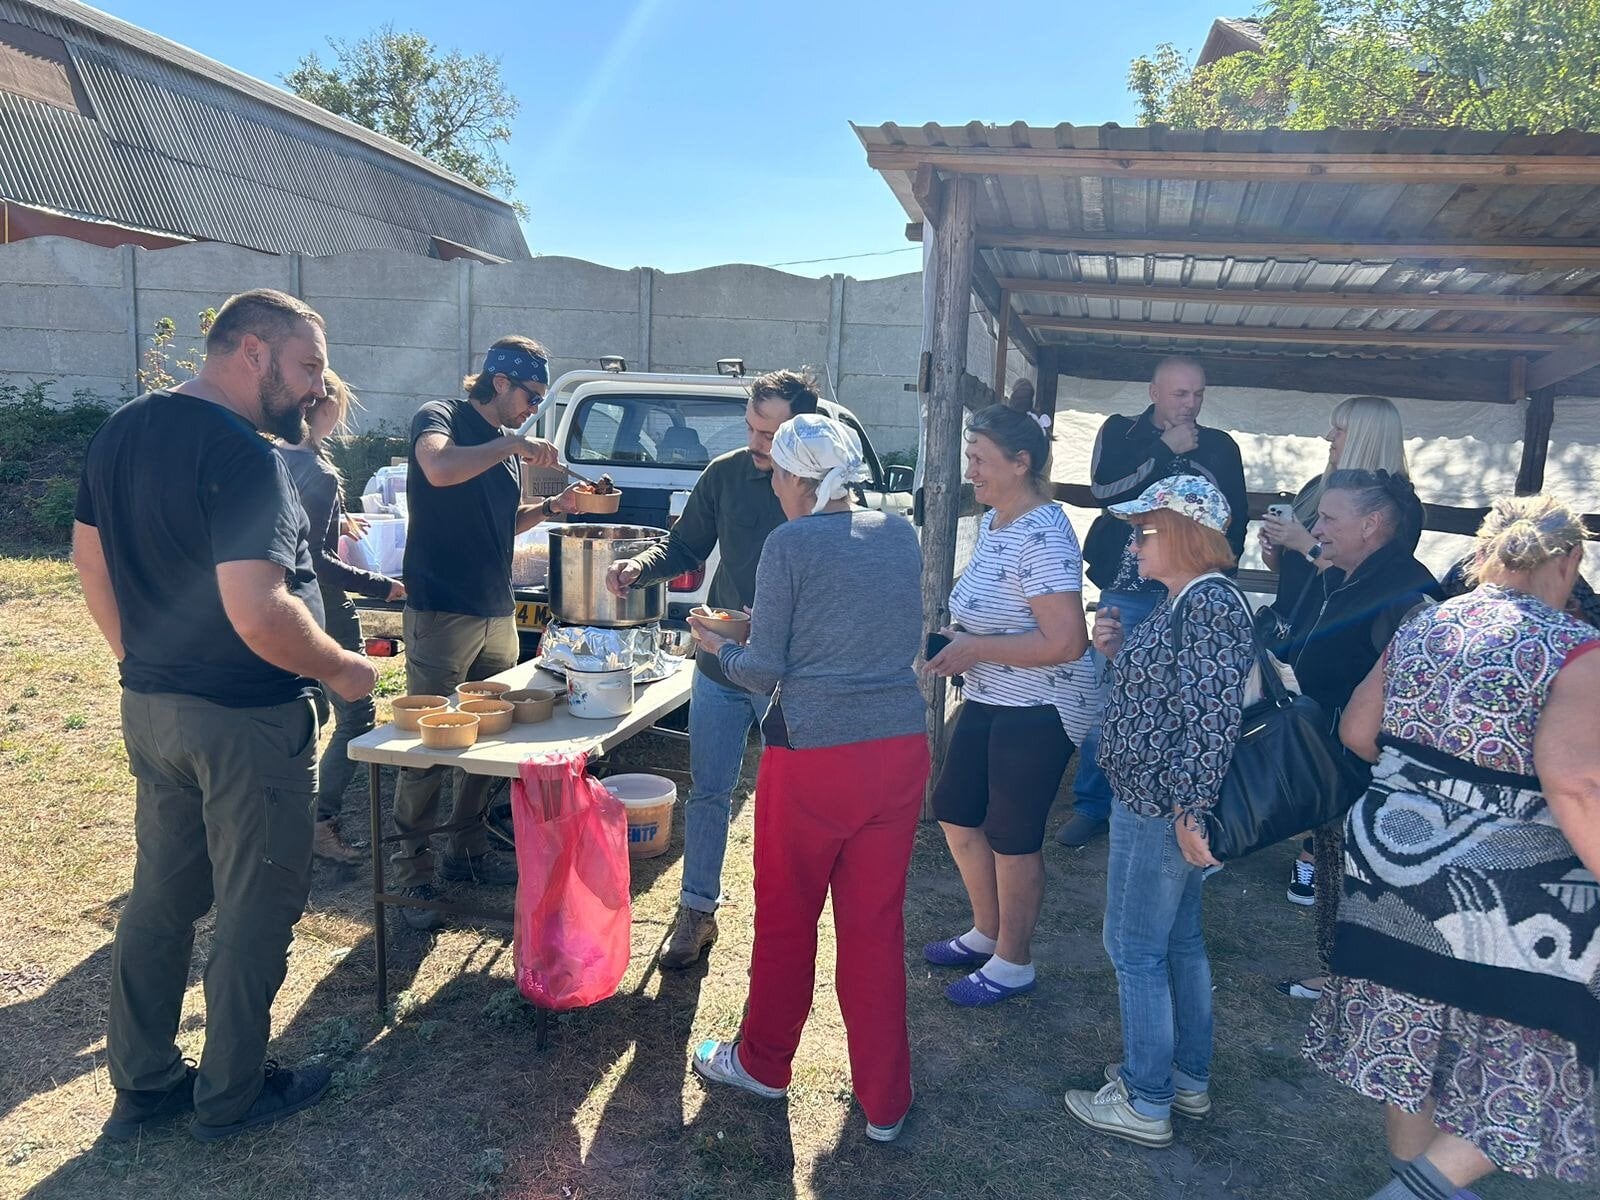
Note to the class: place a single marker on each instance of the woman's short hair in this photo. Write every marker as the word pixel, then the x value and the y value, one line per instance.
pixel 1391 496
pixel 1522 533
pixel 1015 434
pixel 1189 546
pixel 481 385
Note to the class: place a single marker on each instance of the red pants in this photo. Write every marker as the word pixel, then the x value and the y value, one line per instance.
pixel 843 818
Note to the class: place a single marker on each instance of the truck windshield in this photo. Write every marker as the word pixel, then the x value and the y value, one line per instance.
pixel 681 430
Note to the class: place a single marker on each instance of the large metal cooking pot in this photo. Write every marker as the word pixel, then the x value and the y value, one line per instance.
pixel 579 558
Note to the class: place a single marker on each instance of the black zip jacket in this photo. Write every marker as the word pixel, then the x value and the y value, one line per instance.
pixel 1129 456
pixel 1339 626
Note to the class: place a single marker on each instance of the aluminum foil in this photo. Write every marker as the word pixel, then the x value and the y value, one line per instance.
pixel 587 648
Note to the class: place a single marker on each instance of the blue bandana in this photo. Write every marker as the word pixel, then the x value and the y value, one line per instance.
pixel 516 364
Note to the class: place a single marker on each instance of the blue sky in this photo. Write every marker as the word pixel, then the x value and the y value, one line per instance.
pixel 684 133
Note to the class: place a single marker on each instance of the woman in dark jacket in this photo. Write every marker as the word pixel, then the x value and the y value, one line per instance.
pixel 1366 529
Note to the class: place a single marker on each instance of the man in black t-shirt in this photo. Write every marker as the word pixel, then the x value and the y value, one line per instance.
pixel 463 496
pixel 195 559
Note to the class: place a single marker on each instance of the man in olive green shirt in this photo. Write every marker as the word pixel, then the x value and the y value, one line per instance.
pixel 732 507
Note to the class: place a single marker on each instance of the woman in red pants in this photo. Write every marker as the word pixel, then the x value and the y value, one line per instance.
pixel 836 628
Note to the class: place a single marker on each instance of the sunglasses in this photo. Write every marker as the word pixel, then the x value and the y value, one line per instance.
pixel 1141 532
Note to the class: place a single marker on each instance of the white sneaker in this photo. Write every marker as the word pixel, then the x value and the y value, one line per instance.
pixel 1185 1103
pixel 1109 1111
pixel 888 1133
pixel 718 1062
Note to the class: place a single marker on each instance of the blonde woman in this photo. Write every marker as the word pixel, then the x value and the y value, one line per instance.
pixel 1364 434
pixel 320 487
pixel 1465 993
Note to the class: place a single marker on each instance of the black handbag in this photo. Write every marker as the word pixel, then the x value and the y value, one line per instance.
pixel 1289 773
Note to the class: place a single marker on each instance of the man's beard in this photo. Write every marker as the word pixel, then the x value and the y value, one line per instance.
pixel 282 414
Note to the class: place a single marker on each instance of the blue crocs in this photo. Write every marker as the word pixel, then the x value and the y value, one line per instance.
pixel 953 953
pixel 979 991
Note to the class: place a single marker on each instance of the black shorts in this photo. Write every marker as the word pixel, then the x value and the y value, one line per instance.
pixel 1002 773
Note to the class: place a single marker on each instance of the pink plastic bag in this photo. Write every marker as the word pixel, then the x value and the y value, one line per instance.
pixel 574 918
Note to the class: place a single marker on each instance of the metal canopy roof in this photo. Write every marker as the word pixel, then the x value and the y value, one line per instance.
pixel 1412 247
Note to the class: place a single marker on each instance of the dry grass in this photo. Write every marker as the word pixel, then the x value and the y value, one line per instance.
pixel 448 1097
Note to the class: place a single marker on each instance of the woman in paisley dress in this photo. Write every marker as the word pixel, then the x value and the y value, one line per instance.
pixel 1465 986
pixel 1171 723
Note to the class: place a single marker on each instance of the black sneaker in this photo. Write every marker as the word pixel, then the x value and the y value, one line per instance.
pixel 493 870
pixel 285 1091
pixel 422 919
pixel 1303 883
pixel 132 1111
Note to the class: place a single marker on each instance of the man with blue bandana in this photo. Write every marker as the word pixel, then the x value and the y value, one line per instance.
pixel 464 496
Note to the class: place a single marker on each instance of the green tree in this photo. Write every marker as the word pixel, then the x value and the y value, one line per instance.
pixel 450 107
pixel 1375 64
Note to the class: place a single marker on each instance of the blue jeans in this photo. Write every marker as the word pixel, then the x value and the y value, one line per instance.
pixel 720 718
pixel 1152 934
pixel 1091 791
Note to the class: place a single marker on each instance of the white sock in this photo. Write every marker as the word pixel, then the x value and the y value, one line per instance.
pixel 1007 974
pixel 978 943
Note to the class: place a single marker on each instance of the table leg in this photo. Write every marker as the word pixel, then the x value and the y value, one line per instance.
pixel 379 941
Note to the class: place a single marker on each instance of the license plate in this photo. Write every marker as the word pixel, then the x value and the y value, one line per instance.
pixel 531 615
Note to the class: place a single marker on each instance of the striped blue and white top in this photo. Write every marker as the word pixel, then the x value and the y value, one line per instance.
pixel 1036 555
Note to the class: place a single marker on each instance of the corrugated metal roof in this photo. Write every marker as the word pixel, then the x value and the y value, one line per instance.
pixel 175 141
pixel 1113 229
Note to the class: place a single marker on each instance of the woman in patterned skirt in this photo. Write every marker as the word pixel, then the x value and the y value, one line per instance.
pixel 1465 991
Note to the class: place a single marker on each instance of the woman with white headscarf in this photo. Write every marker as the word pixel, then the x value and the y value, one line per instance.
pixel 835 629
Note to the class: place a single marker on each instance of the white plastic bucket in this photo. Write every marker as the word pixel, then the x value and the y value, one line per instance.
pixel 600 695
pixel 649 800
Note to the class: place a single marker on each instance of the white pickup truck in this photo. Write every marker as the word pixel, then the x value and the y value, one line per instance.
pixel 654 434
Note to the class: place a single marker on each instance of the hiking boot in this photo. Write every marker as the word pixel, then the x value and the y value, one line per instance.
pixel 486 869
pixel 132 1110
pixel 1185 1103
pixel 327 842
pixel 1080 830
pixel 1109 1111
pixel 285 1091
pixel 692 935
pixel 421 919
pixel 1303 883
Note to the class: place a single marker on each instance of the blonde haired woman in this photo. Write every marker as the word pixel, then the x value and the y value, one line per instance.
pixel 1364 434
pixel 320 486
pixel 1465 992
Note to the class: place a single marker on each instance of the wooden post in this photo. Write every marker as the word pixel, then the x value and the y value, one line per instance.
pixel 953 252
pixel 1044 399
pixel 1002 343
pixel 1536 441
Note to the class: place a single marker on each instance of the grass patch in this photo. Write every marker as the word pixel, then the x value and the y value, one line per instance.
pixel 449 1098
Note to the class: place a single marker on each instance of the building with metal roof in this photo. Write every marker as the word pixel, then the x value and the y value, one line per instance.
pixel 114 135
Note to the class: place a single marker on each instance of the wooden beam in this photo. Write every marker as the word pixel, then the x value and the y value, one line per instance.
pixel 1536 442
pixel 1323 337
pixel 929 194
pixel 1323 251
pixel 1444 379
pixel 1263 298
pixel 1517 379
pixel 1573 359
pixel 988 293
pixel 953 255
pixel 1002 339
pixel 1510 170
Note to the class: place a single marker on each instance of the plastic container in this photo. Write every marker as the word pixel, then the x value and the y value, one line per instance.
pixel 483 689
pixel 649 800
pixel 448 730
pixel 494 716
pixel 408 708
pixel 532 705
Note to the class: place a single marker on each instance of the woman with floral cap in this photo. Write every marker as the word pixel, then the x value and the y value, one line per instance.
pixel 1172 720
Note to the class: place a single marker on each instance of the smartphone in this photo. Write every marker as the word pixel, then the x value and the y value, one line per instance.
pixel 1284 512
pixel 1208 872
pixel 937 642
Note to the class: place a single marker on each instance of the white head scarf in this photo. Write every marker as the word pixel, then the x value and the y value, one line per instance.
pixel 813 446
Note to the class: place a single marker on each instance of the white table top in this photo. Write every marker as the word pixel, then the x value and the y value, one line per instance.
pixel 563 733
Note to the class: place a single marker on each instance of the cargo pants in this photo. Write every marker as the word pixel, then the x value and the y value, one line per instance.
pixel 223 815
pixel 442 651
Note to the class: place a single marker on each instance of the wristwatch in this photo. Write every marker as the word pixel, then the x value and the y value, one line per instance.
pixel 544 507
pixel 1315 552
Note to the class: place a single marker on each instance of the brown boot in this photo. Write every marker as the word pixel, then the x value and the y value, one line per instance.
pixel 692 935
pixel 327 842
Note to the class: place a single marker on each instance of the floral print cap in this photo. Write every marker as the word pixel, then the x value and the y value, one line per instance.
pixel 1187 495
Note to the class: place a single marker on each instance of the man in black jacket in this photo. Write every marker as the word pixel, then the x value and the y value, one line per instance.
pixel 1130 454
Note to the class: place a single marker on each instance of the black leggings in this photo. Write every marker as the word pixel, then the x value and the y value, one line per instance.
pixel 1002 773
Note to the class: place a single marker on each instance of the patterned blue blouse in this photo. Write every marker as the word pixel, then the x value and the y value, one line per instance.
pixel 1171 722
